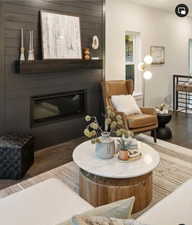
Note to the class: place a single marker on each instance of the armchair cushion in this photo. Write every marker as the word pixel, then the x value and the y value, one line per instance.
pixel 141 120
pixel 125 104
pixel 151 111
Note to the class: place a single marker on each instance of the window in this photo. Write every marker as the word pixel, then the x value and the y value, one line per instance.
pixel 130 56
pixel 132 59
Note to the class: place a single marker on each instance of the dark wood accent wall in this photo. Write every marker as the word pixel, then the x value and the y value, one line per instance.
pixel 16 89
pixel 2 71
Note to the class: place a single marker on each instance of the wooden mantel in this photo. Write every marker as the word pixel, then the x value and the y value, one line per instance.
pixel 51 66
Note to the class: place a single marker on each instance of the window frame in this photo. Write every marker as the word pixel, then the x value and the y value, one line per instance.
pixel 134 49
pixel 137 53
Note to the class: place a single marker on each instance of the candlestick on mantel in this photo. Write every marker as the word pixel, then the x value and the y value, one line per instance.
pixel 31 56
pixel 22 50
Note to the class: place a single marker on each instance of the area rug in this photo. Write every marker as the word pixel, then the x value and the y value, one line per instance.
pixel 174 169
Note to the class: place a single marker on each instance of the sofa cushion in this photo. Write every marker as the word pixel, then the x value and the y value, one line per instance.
pixel 125 104
pixel 141 120
pixel 47 203
pixel 173 210
pixel 98 220
pixel 120 209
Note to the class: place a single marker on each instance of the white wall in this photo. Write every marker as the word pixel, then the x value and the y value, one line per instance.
pixel 157 28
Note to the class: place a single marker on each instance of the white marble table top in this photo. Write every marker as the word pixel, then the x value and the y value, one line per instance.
pixel 84 156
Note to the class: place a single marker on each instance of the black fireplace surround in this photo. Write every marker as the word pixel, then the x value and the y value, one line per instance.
pixel 60 106
pixel 19 91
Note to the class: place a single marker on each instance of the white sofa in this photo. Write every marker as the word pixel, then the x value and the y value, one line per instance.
pixel 51 203
pixel 175 209
pixel 47 203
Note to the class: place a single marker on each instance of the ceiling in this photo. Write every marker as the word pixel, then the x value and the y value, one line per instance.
pixel 168 5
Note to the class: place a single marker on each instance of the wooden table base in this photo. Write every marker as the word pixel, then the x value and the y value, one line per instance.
pixel 100 191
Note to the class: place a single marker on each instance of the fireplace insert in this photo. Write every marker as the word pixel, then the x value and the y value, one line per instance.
pixel 60 106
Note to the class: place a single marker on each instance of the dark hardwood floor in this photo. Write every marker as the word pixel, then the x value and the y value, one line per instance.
pixel 181 125
pixel 47 159
pixel 56 156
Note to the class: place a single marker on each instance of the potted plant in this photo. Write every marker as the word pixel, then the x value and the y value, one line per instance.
pixel 123 149
pixel 114 126
pixel 105 146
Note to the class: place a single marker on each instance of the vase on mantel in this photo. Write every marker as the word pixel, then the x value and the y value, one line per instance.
pixel 105 149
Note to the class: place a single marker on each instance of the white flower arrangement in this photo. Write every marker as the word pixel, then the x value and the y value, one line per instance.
pixel 114 125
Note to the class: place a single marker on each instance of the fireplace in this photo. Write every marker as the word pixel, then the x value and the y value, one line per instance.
pixel 61 106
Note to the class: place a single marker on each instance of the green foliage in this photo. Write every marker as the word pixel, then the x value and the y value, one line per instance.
pixel 123 144
pixel 114 124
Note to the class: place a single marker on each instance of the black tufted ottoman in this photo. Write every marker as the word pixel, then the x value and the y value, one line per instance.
pixel 16 156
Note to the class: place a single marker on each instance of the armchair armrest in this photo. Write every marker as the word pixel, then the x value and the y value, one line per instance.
pixel 150 111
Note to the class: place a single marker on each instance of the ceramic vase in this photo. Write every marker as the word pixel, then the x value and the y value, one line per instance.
pixel 105 149
pixel 86 54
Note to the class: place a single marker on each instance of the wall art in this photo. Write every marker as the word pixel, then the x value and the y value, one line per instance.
pixel 61 38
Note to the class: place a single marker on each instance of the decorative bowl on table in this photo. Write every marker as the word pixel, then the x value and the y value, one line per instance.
pixel 132 156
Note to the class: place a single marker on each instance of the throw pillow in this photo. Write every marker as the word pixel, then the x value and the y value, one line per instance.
pixel 125 104
pixel 98 220
pixel 120 209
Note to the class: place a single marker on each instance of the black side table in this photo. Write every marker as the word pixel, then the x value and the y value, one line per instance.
pixel 163 131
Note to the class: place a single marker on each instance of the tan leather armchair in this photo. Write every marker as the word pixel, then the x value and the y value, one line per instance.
pixel 137 123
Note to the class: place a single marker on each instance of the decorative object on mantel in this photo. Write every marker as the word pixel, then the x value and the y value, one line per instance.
pixel 86 54
pixel 31 56
pixel 22 50
pixel 95 43
pixel 61 37
pixel 95 46
pixel 158 54
pixel 114 125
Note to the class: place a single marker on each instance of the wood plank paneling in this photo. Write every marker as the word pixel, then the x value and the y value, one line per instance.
pixel 17 89
pixel 2 71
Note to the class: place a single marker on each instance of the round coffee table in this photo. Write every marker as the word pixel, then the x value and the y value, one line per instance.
pixel 106 181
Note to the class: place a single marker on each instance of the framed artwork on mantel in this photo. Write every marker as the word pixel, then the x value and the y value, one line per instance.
pixel 61 36
pixel 158 54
